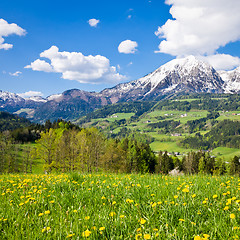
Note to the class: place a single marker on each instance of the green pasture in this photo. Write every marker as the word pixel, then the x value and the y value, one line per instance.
pixel 119 206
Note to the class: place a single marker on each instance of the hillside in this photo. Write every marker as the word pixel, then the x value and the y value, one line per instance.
pixel 10 121
pixel 171 124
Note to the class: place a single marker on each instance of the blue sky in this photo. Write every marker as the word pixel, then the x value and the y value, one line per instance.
pixel 75 54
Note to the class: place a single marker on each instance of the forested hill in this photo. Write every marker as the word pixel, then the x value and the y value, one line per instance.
pixel 10 121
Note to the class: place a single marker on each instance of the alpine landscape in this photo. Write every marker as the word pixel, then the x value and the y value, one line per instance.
pixel 103 137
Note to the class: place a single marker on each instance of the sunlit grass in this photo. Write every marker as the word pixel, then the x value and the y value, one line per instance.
pixel 106 206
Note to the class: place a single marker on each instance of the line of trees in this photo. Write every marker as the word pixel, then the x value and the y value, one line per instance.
pixel 197 162
pixel 65 149
pixel 88 150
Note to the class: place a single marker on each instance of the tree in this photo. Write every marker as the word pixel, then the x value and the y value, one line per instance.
pixel 234 167
pixel 46 147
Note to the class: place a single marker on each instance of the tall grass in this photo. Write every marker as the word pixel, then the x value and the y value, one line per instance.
pixel 107 206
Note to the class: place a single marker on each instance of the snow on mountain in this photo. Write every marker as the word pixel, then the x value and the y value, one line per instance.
pixel 231 80
pixel 185 75
pixel 11 97
pixel 179 75
pixel 54 97
pixel 36 99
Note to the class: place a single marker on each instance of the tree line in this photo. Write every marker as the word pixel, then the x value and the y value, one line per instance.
pixel 65 149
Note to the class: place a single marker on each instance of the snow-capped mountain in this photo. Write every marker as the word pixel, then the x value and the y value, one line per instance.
pixel 10 97
pixel 179 75
pixel 231 80
pixel 10 101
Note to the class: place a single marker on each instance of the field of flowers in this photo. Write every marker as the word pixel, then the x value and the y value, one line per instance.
pixel 107 206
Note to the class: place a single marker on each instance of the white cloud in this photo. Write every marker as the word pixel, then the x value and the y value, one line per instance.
pixel 127 47
pixel 222 61
pixel 40 65
pixel 16 74
pixel 199 27
pixel 7 29
pixel 30 94
pixel 76 66
pixel 129 16
pixel 93 22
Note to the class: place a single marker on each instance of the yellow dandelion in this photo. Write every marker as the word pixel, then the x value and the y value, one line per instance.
pixel 197 237
pixel 40 214
pixel 70 235
pixel 20 204
pixel 154 205
pixel 147 236
pixel 86 233
pixel 206 236
pixel 47 212
pixel 181 220
pixel 87 218
pixel 122 216
pixel 232 216
pixel 175 196
pixel 112 214
pixel 142 221
pixel 138 236
pixel 215 196
pixel 101 228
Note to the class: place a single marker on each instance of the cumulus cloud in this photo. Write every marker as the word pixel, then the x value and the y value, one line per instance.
pixel 7 29
pixel 199 27
pixel 40 65
pixel 127 47
pixel 93 22
pixel 30 94
pixel 222 61
pixel 76 66
pixel 16 74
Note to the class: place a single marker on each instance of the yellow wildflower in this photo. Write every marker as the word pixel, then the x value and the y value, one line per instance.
pixel 142 221
pixel 147 236
pixel 86 233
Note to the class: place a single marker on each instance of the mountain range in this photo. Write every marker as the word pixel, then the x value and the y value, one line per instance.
pixel 185 75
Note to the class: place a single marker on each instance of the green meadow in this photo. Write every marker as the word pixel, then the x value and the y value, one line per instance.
pixel 119 206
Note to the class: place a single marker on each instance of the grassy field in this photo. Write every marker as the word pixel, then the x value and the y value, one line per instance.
pixel 104 206
pixel 168 146
pixel 116 116
pixel 226 153
pixel 167 142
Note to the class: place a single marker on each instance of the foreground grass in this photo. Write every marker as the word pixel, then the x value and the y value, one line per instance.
pixel 119 207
